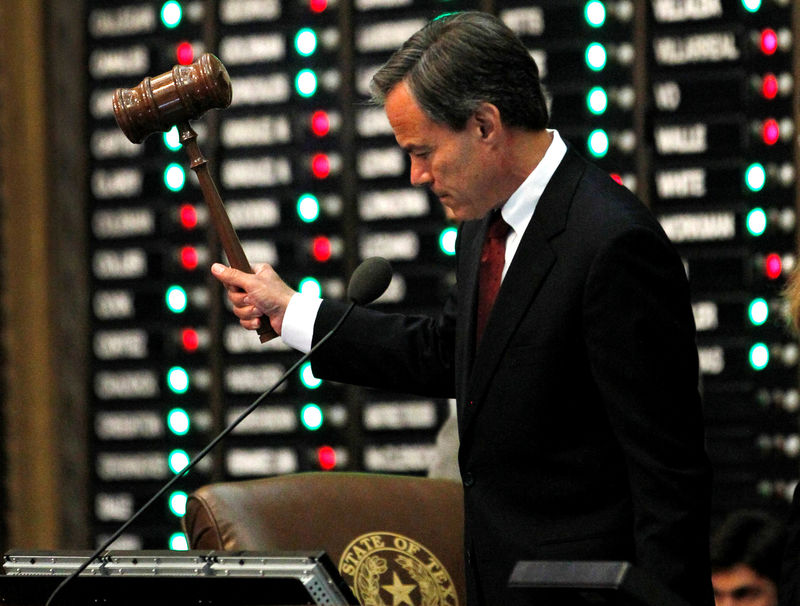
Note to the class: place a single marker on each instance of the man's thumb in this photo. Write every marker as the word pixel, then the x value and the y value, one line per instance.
pixel 228 273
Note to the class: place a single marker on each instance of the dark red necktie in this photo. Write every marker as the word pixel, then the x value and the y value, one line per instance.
pixel 493 257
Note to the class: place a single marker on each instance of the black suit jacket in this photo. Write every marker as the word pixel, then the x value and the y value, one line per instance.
pixel 789 585
pixel 579 416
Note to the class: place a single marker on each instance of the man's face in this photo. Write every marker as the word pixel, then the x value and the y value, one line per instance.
pixel 742 586
pixel 457 166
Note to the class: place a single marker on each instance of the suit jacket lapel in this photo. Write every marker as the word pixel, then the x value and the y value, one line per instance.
pixel 532 262
pixel 473 234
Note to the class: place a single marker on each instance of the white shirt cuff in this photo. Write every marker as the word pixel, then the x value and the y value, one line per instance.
pixel 298 321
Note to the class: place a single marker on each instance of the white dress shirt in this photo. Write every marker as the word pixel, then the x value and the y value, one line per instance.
pixel 301 313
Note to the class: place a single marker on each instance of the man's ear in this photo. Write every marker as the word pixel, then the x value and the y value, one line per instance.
pixel 487 121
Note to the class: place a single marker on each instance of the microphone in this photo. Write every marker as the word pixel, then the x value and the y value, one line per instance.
pixel 368 282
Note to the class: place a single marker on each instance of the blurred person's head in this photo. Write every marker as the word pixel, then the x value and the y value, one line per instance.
pixel 792 295
pixel 746 553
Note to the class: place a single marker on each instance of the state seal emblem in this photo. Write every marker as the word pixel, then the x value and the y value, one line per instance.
pixel 388 569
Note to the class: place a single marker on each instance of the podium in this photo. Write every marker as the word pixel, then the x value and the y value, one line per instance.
pixel 589 583
pixel 189 578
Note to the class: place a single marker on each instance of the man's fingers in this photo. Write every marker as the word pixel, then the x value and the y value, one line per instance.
pixel 247 312
pixel 250 324
pixel 237 297
pixel 256 298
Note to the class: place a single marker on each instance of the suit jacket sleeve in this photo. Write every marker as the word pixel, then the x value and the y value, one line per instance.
pixel 396 352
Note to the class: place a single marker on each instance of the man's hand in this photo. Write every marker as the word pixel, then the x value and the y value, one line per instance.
pixel 255 295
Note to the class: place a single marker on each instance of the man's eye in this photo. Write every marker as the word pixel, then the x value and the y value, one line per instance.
pixel 747 592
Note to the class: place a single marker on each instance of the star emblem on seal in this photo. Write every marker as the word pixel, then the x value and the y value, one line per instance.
pixel 401 592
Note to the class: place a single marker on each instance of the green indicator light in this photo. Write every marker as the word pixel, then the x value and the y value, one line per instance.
pixel 758 312
pixel 178 379
pixel 447 241
pixel 178 421
pixel 174 177
pixel 176 299
pixel 597 100
pixel 596 56
pixel 310 286
pixel 308 208
pixel 598 143
pixel 755 177
pixel 178 542
pixel 177 503
pixel 178 460
pixel 307 377
pixel 171 14
pixel 311 417
pixel 759 356
pixel 751 6
pixel 172 139
pixel 306 83
pixel 595 13
pixel 756 222
pixel 305 42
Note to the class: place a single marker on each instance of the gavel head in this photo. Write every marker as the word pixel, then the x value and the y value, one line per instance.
pixel 184 93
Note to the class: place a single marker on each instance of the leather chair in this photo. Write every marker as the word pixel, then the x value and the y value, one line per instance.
pixel 395 535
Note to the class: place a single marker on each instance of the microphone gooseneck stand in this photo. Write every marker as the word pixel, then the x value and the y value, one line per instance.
pixel 368 282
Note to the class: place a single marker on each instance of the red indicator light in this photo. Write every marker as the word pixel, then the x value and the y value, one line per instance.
pixel 320 166
pixel 769 41
pixel 188 215
pixel 321 248
pixel 773 266
pixel 189 258
pixel 616 177
pixel 320 123
pixel 770 131
pixel 185 53
pixel 190 339
pixel 769 86
pixel 326 456
pixel 318 6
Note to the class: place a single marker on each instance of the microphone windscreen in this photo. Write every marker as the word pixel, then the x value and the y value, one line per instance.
pixel 369 281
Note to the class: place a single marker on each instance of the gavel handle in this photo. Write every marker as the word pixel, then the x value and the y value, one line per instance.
pixel 219 217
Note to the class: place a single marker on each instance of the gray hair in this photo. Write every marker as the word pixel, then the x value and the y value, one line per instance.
pixel 460 60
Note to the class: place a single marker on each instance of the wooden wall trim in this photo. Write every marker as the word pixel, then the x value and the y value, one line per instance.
pixel 30 411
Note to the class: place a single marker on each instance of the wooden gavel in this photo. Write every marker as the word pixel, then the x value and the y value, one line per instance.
pixel 185 93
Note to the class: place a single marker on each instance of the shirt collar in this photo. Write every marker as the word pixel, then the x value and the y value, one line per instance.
pixel 518 209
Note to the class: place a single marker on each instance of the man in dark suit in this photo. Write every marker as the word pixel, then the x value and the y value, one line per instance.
pixel 579 416
pixel 789 586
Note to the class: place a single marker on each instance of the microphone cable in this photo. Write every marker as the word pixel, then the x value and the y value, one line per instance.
pixel 368 282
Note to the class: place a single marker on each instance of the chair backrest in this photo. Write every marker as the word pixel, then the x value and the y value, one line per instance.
pixel 391 536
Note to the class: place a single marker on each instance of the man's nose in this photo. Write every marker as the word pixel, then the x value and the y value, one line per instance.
pixel 420 174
